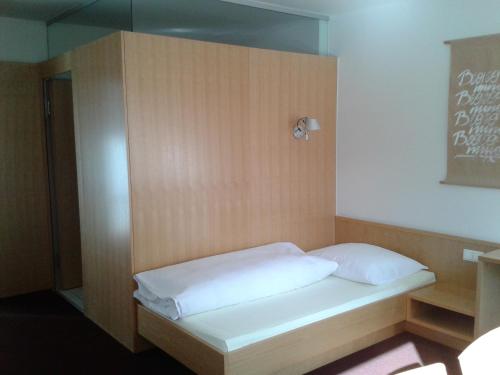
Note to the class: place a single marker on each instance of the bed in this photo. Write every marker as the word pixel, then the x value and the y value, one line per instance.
pixel 282 333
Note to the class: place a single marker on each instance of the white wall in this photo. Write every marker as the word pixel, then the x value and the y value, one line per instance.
pixel 22 40
pixel 392 116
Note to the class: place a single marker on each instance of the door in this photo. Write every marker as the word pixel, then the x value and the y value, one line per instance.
pixel 64 188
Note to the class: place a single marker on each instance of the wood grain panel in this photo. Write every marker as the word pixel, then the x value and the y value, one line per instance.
pixel 315 345
pixel 214 167
pixel 180 344
pixel 65 190
pixel 292 195
pixel 294 352
pixel 25 249
pixel 103 185
pixel 187 103
pixel 441 253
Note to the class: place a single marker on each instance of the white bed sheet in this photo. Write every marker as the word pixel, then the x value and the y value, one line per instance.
pixel 235 327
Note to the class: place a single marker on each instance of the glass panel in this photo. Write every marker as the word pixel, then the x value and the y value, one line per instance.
pixel 89 23
pixel 218 21
pixel 210 20
pixel 323 39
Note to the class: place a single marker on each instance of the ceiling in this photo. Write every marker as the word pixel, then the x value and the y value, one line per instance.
pixel 44 10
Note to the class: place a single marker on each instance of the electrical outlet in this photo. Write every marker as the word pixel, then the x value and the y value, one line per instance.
pixel 472 255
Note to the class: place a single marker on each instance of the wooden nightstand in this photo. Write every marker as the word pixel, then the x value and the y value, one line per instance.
pixel 442 313
pixel 488 293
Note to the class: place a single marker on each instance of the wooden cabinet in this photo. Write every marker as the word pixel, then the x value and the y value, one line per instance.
pixel 185 150
pixel 488 293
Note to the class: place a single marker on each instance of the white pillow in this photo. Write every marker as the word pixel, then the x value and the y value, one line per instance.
pixel 368 264
pixel 210 283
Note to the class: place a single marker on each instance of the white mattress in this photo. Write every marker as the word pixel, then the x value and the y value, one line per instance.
pixel 234 327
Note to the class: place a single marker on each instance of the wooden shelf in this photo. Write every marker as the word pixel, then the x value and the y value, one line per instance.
pixel 443 312
pixel 448 322
pixel 462 301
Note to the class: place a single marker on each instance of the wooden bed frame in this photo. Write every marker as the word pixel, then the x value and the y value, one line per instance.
pixel 315 345
pixel 294 352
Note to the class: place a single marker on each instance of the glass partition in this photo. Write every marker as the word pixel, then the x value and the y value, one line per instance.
pixel 209 20
pixel 87 24
pixel 218 21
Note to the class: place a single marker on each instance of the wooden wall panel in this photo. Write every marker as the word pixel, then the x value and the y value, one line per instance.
pixel 441 253
pixel 214 167
pixel 25 250
pixel 292 193
pixel 103 184
pixel 67 221
pixel 188 118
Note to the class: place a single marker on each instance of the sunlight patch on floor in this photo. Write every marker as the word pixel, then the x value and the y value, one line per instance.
pixel 391 361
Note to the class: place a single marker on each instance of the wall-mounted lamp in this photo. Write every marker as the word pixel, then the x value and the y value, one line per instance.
pixel 304 126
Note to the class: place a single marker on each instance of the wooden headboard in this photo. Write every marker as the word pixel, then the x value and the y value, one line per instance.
pixel 213 164
pixel 441 253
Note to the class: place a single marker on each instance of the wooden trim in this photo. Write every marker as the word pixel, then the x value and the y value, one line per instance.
pixel 419 232
pixel 57 65
pixel 294 352
pixel 441 253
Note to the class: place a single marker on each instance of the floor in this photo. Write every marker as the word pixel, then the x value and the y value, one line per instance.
pixel 42 333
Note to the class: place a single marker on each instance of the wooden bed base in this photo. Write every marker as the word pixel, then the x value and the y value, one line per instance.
pixel 294 352
pixel 315 345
